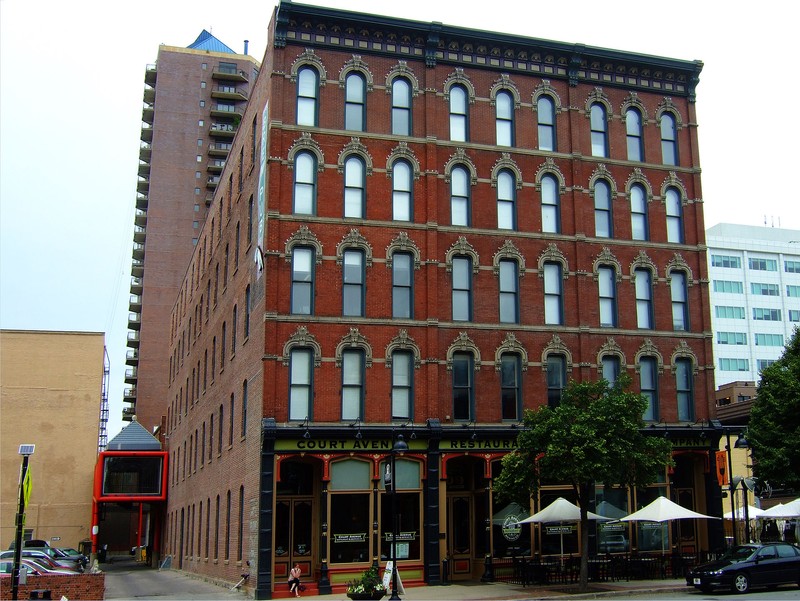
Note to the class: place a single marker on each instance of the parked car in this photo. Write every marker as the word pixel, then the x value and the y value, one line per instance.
pixel 36 542
pixel 747 566
pixel 58 559
pixel 613 543
pixel 74 553
pixel 34 567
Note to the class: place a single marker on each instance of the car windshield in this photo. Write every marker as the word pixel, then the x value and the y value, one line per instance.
pixel 740 553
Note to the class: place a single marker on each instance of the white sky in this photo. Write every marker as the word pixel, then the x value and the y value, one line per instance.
pixel 71 83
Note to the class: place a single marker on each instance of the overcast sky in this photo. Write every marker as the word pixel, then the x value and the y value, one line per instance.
pixel 71 83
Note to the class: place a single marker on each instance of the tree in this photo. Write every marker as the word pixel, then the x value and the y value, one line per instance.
pixel 594 435
pixel 774 429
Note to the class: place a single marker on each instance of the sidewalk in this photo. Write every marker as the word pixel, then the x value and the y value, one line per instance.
pixel 499 591
pixel 127 580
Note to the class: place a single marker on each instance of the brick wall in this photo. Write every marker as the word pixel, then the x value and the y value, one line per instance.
pixel 82 587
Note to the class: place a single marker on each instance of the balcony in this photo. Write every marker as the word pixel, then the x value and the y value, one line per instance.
pixel 150 75
pixel 137 268
pixel 128 413
pixel 224 111
pixel 134 321
pixel 147 133
pixel 132 357
pixel 139 234
pixel 225 92
pixel 149 94
pixel 143 185
pixel 140 218
pixel 133 339
pixel 145 151
pixel 222 130
pixel 135 303
pixel 141 200
pixel 138 250
pixel 209 199
pixel 132 374
pixel 136 285
pixel 144 170
pixel 219 149
pixel 216 165
pixel 148 113
pixel 232 73
pixel 129 395
pixel 212 182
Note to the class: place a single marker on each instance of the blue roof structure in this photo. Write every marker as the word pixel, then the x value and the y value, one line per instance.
pixel 134 437
pixel 206 41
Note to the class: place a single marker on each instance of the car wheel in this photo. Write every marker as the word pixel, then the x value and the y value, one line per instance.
pixel 741 583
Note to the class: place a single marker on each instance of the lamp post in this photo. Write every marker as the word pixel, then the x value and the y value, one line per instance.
pixel 741 443
pixel 26 450
pixel 399 446
pixel 731 485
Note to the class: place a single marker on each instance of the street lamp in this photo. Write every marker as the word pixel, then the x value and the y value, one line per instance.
pixel 26 450
pixel 733 483
pixel 399 446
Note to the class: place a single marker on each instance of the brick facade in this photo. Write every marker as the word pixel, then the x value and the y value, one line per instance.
pixel 206 377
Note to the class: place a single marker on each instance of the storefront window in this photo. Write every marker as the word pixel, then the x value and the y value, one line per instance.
pixel 651 536
pixel 612 537
pixel 350 511
pixel 509 538
pixel 558 539
pixel 409 542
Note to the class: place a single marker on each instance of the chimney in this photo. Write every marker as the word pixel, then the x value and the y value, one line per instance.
pixel 246 42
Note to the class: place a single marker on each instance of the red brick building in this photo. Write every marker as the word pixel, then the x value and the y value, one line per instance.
pixel 425 230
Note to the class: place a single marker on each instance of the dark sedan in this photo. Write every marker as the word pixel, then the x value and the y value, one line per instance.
pixel 748 566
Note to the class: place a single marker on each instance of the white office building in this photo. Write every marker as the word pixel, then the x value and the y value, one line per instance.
pixel 754 275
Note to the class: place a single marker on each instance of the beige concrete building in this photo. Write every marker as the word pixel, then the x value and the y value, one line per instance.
pixel 52 395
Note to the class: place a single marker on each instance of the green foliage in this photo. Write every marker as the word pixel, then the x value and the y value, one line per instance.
pixel 774 429
pixel 593 436
pixel 369 582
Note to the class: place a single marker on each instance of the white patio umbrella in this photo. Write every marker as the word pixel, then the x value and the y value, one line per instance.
pixel 752 513
pixel 560 511
pixel 789 510
pixel 664 510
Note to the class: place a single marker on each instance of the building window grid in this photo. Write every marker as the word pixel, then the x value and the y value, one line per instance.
pixel 307 95
pixel 459 116
pixel 510 386
pixel 462 387
pixel 603 221
pixel 726 261
pixel 546 121
pixel 353 384
pixel 402 199
pixel 402 385
pixel 300 384
pixel 556 378
pixel 669 140
pixel 401 107
pixel 460 213
pixel 354 188
pixel 353 283
pixel 680 301
pixel 599 130
pixel 736 338
pixel 607 290
pixel 768 339
pixel 402 286
pixel 684 386
pixel 762 289
pixel 355 102
pixel 729 286
pixel 462 289
pixel 639 223
pixel 761 264
pixel 648 385
pixel 504 118
pixel 509 291
pixel 644 298
pixel 733 364
pixel 553 294
pixel 506 201
pixel 551 205
pixel 633 130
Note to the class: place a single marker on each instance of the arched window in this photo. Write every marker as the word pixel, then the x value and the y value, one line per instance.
pixel 506 201
pixel 546 116
pixel 674 216
pixel 244 410
pixel 680 303
pixel 648 386
pixel 401 107
pixel 402 385
pixel 504 118
pixel 556 378
pixel 510 386
pixel 459 117
pixel 354 188
pixel 669 140
pixel 302 293
pixel 633 128
pixel 603 222
pixel 509 291
pixel 353 384
pixel 305 184
pixel 462 386
pixel 607 290
pixel 553 294
pixel 643 280
pixel 307 96
pixel 599 126
pixel 639 224
pixel 301 386
pixel 355 102
pixel 402 195
pixel 551 205
pixel 353 283
pixel 684 386
pixel 459 196
pixel 462 288
pixel 402 285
